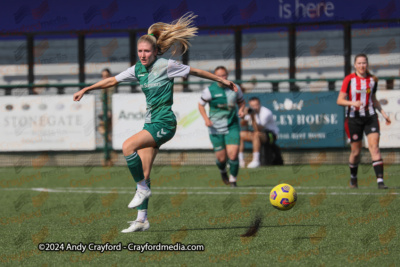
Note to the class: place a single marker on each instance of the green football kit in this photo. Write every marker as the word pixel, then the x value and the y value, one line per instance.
pixel 225 129
pixel 157 81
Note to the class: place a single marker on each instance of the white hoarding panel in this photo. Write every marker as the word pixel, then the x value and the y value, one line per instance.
pixel 43 123
pixel 129 113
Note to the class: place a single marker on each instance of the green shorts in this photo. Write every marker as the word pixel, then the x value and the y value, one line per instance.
pixel 161 133
pixel 219 141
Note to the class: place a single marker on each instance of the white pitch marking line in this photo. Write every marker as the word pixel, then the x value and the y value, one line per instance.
pixel 214 188
pixel 74 190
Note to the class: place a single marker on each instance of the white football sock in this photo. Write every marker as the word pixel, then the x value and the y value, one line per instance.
pixel 141 215
pixel 241 156
pixel 232 178
pixel 379 180
pixel 142 185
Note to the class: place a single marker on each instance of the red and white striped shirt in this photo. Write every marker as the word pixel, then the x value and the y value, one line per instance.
pixel 360 89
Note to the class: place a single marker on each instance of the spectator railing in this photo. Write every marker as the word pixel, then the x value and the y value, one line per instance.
pixel 275 88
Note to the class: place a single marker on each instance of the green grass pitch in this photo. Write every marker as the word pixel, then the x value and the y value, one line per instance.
pixel 330 225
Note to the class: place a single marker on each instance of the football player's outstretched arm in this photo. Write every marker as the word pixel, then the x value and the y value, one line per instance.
pixel 106 83
pixel 210 76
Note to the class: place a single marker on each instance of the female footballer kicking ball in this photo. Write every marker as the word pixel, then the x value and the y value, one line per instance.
pixel 156 77
pixel 358 95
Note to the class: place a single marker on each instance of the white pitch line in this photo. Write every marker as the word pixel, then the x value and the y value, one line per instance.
pixel 213 188
pixel 230 192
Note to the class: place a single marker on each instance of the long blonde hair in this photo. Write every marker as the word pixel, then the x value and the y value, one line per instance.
pixel 177 34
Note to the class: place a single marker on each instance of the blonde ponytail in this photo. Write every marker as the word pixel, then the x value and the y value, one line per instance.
pixel 163 36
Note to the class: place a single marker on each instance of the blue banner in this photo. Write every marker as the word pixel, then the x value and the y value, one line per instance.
pixel 305 120
pixel 22 16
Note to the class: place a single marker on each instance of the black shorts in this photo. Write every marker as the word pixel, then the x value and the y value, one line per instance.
pixel 356 126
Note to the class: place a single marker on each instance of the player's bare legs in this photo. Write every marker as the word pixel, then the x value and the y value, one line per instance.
pixel 355 152
pixel 377 162
pixel 373 146
pixel 146 157
pixel 232 151
pixel 221 155
pixel 139 141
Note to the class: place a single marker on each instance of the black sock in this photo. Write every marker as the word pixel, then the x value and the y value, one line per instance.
pixel 221 165
pixel 353 170
pixel 378 168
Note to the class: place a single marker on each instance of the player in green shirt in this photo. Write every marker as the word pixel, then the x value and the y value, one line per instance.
pixel 156 77
pixel 223 124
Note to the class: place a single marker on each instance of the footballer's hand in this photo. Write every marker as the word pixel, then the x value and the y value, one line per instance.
pixel 388 121
pixel 357 104
pixel 209 123
pixel 79 95
pixel 230 85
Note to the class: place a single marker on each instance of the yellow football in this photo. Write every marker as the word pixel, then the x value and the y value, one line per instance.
pixel 283 197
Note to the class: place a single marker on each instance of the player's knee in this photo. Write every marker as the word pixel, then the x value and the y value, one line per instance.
pixel 232 156
pixel 374 148
pixel 221 157
pixel 355 152
pixel 127 148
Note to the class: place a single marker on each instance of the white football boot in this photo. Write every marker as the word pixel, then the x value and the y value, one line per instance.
pixel 137 226
pixel 253 164
pixel 140 196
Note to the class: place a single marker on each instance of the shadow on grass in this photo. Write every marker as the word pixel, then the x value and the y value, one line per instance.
pixel 234 227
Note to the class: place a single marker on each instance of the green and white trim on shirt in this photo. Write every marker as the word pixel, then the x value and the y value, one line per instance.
pixel 157 83
pixel 223 111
